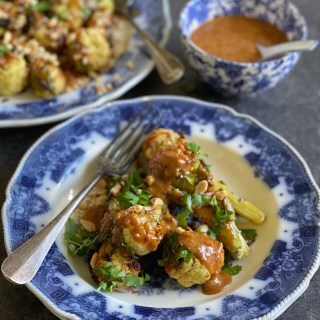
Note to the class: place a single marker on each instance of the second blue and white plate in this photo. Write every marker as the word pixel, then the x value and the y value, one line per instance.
pixel 26 110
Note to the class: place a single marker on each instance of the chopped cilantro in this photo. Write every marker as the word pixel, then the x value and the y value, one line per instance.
pixel 115 277
pixel 195 148
pixel 86 12
pixel 40 6
pixel 184 254
pixel 232 270
pixel 80 241
pixel 208 167
pixel 132 194
pixel 212 234
pixel 131 198
pixel 191 201
pixel 183 216
pixel 3 50
pixel 173 249
pixel 222 217
pixel 203 200
pixel 249 234
pixel 190 178
pixel 63 14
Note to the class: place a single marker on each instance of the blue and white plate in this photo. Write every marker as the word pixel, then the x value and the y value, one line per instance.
pixel 25 109
pixel 255 163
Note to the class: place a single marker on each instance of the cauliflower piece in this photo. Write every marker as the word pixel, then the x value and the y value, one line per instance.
pixel 11 17
pixel 100 18
pixel 189 273
pixel 192 257
pixel 141 228
pixel 46 79
pixel 13 74
pixel 69 11
pixel 158 138
pixel 113 267
pixel 50 33
pixel 121 259
pixel 89 49
pixel 105 4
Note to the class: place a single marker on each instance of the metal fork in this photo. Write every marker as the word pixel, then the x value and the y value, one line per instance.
pixel 169 67
pixel 22 264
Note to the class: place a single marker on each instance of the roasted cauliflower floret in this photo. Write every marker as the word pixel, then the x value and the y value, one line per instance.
pixel 50 33
pixel 113 267
pixel 192 257
pixel 141 228
pixel 89 49
pixel 46 79
pixel 101 17
pixel 13 74
pixel 156 139
pixel 72 12
pixel 11 17
pixel 189 273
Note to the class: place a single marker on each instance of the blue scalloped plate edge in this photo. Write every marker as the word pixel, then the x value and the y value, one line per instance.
pixel 104 99
pixel 280 307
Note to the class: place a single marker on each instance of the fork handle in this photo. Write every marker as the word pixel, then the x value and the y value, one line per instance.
pixel 169 67
pixel 22 264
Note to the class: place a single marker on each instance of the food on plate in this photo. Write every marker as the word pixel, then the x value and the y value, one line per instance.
pixel 13 73
pixel 234 38
pixel 169 207
pixel 50 45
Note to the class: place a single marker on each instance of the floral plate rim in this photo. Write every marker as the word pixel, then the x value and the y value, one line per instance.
pixel 282 305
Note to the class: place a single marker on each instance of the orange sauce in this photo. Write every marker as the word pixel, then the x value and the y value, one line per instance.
pixel 209 251
pixel 217 283
pixel 169 163
pixel 234 38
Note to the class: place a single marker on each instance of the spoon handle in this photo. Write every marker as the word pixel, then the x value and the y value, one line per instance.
pixel 23 263
pixel 293 46
pixel 169 67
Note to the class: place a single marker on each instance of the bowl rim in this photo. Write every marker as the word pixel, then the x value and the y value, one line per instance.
pixel 243 64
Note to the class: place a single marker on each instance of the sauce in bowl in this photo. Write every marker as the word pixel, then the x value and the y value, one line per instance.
pixel 234 38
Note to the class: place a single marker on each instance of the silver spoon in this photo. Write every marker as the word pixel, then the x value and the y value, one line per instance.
pixel 286 47
pixel 169 67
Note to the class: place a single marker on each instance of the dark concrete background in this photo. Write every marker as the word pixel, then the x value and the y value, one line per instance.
pixel 292 109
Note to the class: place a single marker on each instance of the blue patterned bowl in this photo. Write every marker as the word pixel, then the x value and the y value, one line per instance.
pixel 245 154
pixel 234 78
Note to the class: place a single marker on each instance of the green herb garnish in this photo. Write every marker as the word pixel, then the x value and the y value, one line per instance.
pixel 86 12
pixel 195 148
pixel 232 270
pixel 249 234
pixel 115 277
pixel 183 216
pixel 212 234
pixel 184 254
pixel 222 217
pixel 80 241
pixel 132 192
pixel 3 50
pixel 40 6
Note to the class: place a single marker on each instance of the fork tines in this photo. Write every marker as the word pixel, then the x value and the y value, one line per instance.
pixel 125 145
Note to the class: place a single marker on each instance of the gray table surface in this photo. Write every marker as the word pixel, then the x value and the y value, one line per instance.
pixel 292 109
